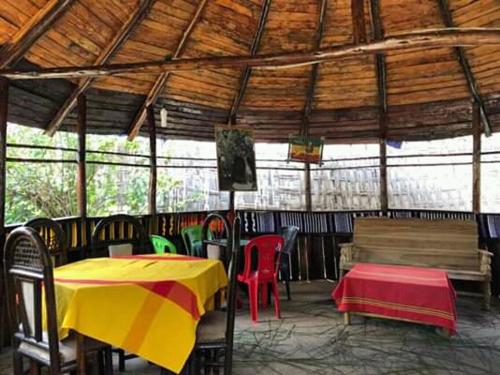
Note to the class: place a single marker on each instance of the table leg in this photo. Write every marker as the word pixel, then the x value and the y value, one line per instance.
pixel 347 318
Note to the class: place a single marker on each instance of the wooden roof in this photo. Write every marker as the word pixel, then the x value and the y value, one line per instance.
pixel 426 93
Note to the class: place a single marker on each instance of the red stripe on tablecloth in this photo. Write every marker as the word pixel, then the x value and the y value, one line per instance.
pixel 158 257
pixel 174 291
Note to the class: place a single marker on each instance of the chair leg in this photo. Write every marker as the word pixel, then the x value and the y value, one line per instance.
pixel 287 285
pixel 18 363
pixel 121 360
pixel 34 367
pixel 254 301
pixel 276 294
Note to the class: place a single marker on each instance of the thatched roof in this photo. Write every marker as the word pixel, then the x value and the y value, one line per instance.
pixel 426 92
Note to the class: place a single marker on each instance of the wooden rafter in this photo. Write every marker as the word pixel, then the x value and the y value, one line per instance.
pixel 245 76
pixel 358 21
pixel 119 39
pixel 464 63
pixel 308 107
pixel 162 79
pixel 429 38
pixel 22 41
pixel 378 33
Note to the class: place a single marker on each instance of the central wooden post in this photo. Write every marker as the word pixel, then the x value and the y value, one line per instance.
pixel 308 188
pixel 81 178
pixel 152 167
pixel 476 158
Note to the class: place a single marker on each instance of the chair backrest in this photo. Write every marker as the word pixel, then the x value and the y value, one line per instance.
pixel 28 270
pixel 289 234
pixel 234 239
pixel 190 236
pixel 448 244
pixel 161 244
pixel 206 234
pixel 54 237
pixel 116 230
pixel 268 249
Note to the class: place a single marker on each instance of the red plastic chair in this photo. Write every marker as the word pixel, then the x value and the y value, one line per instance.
pixel 269 251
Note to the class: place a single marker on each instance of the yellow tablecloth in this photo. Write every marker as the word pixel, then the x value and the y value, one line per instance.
pixel 149 305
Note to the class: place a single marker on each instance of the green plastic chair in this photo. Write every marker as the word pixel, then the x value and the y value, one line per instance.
pixel 160 244
pixel 192 239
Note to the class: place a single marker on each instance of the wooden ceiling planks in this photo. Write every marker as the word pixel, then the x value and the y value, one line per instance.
pixel 412 75
pixel 352 82
pixel 415 77
pixel 276 89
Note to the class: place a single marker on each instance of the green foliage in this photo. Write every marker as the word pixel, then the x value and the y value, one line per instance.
pixel 49 189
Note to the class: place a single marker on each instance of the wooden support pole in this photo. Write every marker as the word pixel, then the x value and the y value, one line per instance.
pixel 428 38
pixel 308 187
pixel 476 158
pixel 4 104
pixel 384 205
pixel 153 170
pixel 81 178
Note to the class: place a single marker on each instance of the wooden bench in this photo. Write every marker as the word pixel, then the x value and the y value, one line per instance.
pixel 451 245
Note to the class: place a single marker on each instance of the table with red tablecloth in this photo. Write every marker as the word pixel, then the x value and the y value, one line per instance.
pixel 422 295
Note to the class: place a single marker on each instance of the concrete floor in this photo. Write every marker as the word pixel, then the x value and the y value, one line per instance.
pixel 312 339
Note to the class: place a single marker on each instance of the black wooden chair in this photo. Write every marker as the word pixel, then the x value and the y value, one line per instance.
pixel 214 337
pixel 289 234
pixel 226 244
pixel 119 235
pixel 54 237
pixel 28 270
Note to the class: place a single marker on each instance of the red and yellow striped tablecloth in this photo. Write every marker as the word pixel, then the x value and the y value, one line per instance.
pixel 423 295
pixel 149 305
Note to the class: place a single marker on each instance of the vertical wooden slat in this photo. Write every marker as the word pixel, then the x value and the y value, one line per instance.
pixel 358 21
pixel 383 165
pixel 153 170
pixel 476 158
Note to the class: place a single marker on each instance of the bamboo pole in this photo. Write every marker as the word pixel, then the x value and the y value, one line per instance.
pixel 476 158
pixel 429 38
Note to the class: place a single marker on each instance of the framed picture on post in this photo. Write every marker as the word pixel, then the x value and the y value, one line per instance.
pixel 235 159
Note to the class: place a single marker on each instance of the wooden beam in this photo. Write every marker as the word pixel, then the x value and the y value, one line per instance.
pixel 245 76
pixel 27 35
pixel 308 106
pixel 464 63
pixel 81 177
pixel 429 38
pixel 119 39
pixel 476 158
pixel 358 21
pixel 161 81
pixel 152 165
pixel 383 118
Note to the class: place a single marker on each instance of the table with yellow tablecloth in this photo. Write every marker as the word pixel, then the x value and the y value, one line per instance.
pixel 149 305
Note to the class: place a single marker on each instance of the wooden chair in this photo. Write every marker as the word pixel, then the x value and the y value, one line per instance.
pixel 28 270
pixel 119 235
pixel 54 237
pixel 289 234
pixel 214 337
